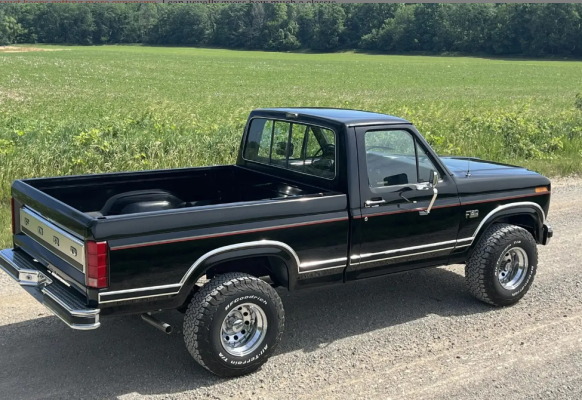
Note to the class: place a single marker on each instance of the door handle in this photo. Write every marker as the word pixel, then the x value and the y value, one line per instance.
pixel 374 203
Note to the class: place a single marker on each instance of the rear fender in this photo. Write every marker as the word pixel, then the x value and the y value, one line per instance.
pixel 239 251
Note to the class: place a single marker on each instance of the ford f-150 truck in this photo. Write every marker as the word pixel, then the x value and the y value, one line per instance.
pixel 317 196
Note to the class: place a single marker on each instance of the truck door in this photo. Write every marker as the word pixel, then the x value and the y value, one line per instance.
pixel 398 229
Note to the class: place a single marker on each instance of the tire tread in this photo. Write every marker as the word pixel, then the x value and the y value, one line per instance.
pixel 484 257
pixel 204 305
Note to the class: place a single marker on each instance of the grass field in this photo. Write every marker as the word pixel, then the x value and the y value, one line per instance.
pixel 112 108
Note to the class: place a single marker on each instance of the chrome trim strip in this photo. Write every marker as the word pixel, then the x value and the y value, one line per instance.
pixel 313 263
pixel 424 246
pixel 138 290
pixel 322 269
pixel 55 234
pixel 407 255
pixel 465 239
pixel 139 297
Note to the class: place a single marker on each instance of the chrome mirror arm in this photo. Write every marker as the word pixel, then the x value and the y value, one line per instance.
pixel 432 184
pixel 434 196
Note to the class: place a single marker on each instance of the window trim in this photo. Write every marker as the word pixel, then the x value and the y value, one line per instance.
pixel 246 142
pixel 416 142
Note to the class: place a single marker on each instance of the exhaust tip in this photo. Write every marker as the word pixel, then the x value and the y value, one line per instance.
pixel 162 326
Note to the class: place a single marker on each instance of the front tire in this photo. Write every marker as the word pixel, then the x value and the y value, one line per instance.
pixel 502 267
pixel 233 324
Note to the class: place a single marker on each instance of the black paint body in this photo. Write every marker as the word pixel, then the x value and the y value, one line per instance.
pixel 309 230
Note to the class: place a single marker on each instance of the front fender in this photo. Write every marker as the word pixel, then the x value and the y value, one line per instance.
pixel 500 213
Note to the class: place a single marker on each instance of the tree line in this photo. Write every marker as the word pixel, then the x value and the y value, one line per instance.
pixel 496 29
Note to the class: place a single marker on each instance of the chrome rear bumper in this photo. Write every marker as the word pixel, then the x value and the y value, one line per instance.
pixel 51 293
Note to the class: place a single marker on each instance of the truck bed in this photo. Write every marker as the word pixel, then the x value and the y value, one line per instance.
pixel 96 195
pixel 181 215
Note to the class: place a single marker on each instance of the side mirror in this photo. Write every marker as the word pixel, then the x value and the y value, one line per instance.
pixel 434 178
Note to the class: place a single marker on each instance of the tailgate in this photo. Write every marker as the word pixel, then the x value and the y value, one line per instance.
pixel 51 232
pixel 53 238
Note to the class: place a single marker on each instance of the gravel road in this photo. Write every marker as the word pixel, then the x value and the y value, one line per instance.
pixel 408 336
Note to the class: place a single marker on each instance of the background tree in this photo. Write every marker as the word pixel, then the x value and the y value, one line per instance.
pixel 10 30
pixel 529 29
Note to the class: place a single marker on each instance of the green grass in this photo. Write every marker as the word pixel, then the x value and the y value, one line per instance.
pixel 112 108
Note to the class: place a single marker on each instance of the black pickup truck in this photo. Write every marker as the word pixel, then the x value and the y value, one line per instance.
pixel 317 196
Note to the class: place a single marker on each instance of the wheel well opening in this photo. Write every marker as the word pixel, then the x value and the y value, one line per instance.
pixel 272 267
pixel 524 221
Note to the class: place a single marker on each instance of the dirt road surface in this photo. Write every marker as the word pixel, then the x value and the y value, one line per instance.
pixel 418 335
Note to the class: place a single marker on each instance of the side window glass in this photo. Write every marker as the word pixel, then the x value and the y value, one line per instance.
pixel 265 146
pixel 390 158
pixel 313 147
pixel 258 144
pixel 320 152
pixel 424 165
pixel 297 137
pixel 281 148
pixel 303 148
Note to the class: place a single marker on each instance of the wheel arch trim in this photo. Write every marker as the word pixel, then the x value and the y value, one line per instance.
pixel 260 244
pixel 489 218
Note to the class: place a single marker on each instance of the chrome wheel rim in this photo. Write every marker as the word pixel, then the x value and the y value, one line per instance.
pixel 244 329
pixel 513 268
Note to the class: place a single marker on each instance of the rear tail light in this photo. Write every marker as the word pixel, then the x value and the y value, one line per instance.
pixel 13 216
pixel 97 273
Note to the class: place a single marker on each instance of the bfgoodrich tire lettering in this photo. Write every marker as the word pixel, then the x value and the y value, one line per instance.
pixel 203 322
pixel 484 267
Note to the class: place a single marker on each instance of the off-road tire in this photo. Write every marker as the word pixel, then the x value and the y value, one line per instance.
pixel 207 310
pixel 482 268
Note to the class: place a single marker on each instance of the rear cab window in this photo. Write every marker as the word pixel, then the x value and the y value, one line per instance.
pixel 303 148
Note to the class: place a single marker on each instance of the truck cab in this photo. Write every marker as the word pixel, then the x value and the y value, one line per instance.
pixel 317 196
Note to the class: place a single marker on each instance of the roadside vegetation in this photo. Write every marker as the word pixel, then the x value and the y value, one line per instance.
pixel 77 110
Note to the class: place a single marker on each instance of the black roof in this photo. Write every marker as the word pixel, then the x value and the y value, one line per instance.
pixel 343 116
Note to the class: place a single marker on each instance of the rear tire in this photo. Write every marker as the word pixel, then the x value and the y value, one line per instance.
pixel 233 324
pixel 502 267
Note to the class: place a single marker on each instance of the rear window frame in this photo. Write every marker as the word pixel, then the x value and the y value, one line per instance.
pixel 334 131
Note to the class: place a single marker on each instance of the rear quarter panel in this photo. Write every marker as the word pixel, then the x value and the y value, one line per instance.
pixel 157 249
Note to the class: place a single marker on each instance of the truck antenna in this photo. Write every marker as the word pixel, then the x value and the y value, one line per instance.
pixel 468 167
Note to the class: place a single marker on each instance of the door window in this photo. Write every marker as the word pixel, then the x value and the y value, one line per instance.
pixel 393 157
